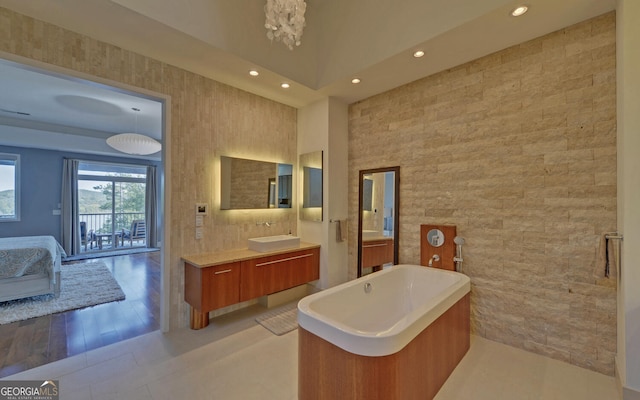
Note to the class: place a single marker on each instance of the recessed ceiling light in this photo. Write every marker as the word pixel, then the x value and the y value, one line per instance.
pixel 520 10
pixel 285 85
pixel 418 54
pixel 355 80
pixel 253 72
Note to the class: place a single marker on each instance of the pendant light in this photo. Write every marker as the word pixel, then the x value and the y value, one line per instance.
pixel 134 143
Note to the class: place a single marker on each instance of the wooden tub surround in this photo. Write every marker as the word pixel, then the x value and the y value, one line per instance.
pixel 396 334
pixel 218 280
pixel 418 371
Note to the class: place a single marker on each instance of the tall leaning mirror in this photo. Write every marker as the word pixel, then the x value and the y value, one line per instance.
pixel 311 186
pixel 378 219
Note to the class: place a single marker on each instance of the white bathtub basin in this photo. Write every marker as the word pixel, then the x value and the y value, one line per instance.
pixel 272 243
pixel 402 302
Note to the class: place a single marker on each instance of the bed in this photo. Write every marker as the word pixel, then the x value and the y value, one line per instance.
pixel 29 266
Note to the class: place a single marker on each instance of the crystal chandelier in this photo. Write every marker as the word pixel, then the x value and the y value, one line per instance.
pixel 285 21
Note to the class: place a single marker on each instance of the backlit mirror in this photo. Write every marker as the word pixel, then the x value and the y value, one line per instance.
pixel 379 199
pixel 251 184
pixel 311 186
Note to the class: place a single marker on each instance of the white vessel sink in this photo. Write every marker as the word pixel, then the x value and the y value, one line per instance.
pixel 272 243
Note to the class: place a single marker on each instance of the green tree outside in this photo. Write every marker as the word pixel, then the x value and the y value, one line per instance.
pixel 129 197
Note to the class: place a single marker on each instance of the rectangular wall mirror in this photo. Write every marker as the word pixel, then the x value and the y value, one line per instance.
pixel 311 184
pixel 252 184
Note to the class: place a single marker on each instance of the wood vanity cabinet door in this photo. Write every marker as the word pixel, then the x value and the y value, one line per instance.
pixel 214 287
pixel 377 252
pixel 266 275
pixel 223 285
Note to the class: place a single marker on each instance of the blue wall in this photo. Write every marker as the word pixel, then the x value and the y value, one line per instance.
pixel 40 189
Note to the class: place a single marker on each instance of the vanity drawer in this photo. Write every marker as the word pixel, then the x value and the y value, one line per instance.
pixel 215 287
pixel 266 275
pixel 377 252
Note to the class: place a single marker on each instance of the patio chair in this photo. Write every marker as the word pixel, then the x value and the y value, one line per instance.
pixel 138 231
pixel 86 237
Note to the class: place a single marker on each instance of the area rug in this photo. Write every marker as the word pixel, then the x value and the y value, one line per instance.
pixel 82 285
pixel 281 320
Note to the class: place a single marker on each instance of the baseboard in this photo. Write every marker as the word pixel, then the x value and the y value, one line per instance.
pixel 625 393
pixel 616 371
pixel 630 394
pixel 101 254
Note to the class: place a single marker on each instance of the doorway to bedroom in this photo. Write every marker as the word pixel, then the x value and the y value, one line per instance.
pixel 93 110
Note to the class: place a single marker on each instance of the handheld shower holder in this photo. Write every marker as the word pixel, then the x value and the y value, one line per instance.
pixel 459 241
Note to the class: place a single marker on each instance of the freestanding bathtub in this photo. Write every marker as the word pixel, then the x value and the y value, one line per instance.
pixel 394 334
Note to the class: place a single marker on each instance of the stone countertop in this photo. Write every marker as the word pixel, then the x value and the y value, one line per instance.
pixel 228 256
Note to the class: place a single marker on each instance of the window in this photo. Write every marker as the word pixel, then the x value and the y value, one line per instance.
pixel 110 198
pixel 9 187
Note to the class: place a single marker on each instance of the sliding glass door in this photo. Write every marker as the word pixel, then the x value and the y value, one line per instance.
pixel 111 203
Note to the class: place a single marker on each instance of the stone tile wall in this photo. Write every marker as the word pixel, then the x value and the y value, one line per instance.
pixel 518 150
pixel 208 119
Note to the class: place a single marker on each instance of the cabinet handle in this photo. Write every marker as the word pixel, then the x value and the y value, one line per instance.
pixel 222 272
pixel 283 260
pixel 374 245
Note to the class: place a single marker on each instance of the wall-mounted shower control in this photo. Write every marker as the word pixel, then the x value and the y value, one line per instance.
pixel 438 240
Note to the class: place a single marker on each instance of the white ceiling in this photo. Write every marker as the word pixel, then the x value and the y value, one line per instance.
pixel 223 39
pixel 55 112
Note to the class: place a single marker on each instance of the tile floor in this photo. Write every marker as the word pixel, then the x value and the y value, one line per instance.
pixel 234 358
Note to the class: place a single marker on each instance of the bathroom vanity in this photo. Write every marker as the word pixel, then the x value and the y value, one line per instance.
pixel 217 280
pixel 377 251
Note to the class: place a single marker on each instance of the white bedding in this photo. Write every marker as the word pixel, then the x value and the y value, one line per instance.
pixel 27 255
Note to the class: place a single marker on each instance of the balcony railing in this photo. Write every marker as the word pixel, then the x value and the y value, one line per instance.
pixel 102 224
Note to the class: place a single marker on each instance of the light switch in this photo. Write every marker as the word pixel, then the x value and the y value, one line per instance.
pixel 199 220
pixel 199 233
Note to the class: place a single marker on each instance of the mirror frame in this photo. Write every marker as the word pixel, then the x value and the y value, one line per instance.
pixel 396 211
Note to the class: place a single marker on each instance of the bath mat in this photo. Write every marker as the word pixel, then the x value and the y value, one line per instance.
pixel 280 321
pixel 81 285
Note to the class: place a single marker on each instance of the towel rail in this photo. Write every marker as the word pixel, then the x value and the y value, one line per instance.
pixel 613 236
pixel 618 257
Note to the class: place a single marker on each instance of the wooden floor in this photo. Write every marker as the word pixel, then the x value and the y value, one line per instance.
pixel 37 341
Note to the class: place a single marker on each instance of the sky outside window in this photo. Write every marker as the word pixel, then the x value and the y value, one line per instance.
pixel 7 177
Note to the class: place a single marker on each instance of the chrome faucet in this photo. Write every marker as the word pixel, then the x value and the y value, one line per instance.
pixel 435 257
